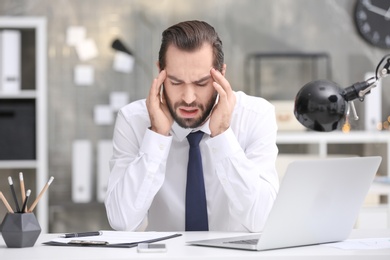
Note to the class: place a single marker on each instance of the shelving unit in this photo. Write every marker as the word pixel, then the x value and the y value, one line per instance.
pixel 322 140
pixel 36 91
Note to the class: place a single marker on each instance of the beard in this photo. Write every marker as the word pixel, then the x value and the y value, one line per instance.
pixel 192 122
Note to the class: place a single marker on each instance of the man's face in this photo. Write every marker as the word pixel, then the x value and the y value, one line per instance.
pixel 188 88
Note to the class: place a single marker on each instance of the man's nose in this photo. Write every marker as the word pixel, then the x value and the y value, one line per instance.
pixel 189 94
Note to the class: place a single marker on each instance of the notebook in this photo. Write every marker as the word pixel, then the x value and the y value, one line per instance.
pixel 318 202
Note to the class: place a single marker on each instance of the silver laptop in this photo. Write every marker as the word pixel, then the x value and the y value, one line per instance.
pixel 318 202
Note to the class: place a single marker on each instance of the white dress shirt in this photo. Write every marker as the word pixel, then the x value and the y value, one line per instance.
pixel 146 187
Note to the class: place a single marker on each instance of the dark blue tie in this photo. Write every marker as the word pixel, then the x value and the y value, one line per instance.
pixel 196 206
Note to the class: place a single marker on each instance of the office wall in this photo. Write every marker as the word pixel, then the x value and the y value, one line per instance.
pixel 245 27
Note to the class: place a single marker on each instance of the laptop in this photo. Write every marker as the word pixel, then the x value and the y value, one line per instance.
pixel 318 202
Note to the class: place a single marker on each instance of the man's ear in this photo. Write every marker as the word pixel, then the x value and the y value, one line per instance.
pixel 158 66
pixel 223 70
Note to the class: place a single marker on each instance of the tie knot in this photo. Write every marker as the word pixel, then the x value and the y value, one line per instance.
pixel 194 138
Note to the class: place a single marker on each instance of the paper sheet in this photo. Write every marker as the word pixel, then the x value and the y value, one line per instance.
pixel 123 62
pixel 83 75
pixel 87 49
pixel 118 100
pixel 118 237
pixel 103 115
pixel 75 35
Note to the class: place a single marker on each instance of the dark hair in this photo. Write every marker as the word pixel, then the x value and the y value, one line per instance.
pixel 190 36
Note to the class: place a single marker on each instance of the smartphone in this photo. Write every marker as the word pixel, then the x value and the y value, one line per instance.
pixel 151 248
pixel 161 93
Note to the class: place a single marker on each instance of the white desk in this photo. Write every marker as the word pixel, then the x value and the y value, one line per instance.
pixel 177 249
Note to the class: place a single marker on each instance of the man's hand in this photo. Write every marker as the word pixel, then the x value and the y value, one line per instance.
pixel 160 117
pixel 222 112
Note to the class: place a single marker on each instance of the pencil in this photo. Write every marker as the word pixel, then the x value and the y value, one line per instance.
pixel 22 189
pixel 11 185
pixel 6 203
pixel 40 194
pixel 24 207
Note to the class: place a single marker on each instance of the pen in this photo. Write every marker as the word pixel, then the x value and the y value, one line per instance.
pixel 11 185
pixel 6 203
pixel 83 234
pixel 41 193
pixel 24 207
pixel 22 189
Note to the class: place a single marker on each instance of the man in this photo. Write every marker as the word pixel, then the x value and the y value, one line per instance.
pixel 147 184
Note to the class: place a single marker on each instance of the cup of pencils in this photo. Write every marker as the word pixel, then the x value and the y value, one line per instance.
pixel 20 227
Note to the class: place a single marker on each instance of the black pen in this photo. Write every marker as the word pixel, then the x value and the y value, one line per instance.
pixel 83 234
pixel 11 184
pixel 24 207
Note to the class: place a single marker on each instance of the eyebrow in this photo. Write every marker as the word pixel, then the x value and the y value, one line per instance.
pixel 205 78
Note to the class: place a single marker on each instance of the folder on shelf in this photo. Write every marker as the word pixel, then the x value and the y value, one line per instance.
pixel 10 61
pixel 121 239
pixel 82 171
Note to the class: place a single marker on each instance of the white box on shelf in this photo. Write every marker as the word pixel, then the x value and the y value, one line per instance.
pixel 82 171
pixel 285 118
pixel 104 154
pixel 373 106
pixel 10 61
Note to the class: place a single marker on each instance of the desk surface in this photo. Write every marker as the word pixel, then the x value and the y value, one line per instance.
pixel 177 249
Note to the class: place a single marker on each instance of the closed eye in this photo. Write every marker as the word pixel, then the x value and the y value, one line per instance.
pixel 203 81
pixel 200 83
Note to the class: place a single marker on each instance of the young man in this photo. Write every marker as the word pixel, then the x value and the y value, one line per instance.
pixel 147 184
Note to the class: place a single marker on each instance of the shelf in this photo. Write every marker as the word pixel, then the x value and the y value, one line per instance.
pixel 380 188
pixel 307 137
pixel 20 95
pixel 18 164
pixel 322 139
pixel 33 87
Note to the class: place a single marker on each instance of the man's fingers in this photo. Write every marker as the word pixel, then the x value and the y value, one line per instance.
pixel 219 89
pixel 157 82
pixel 220 79
pixel 161 77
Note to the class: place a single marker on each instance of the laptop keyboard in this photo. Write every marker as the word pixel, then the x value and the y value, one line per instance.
pixel 244 242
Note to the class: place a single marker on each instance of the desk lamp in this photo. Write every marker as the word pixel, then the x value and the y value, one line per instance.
pixel 323 106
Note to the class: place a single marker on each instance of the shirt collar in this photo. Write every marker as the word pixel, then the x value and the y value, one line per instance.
pixel 182 133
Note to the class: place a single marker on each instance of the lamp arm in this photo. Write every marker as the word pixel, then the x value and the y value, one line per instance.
pixel 351 106
pixel 386 68
pixel 360 89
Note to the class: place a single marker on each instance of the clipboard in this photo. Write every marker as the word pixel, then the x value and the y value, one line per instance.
pixel 108 241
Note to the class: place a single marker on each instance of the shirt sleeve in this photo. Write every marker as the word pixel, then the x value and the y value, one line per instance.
pixel 247 170
pixel 137 173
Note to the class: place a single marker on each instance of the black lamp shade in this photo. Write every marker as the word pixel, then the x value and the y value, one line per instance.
pixel 321 106
pixel 119 46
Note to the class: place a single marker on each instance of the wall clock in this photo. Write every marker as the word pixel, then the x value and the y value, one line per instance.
pixel 372 18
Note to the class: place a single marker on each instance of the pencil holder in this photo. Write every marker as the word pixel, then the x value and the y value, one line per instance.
pixel 20 229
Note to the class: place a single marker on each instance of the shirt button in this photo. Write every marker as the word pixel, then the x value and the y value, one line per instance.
pixel 161 147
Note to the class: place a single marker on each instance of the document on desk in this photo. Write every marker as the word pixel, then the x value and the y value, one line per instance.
pixel 366 243
pixel 113 239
